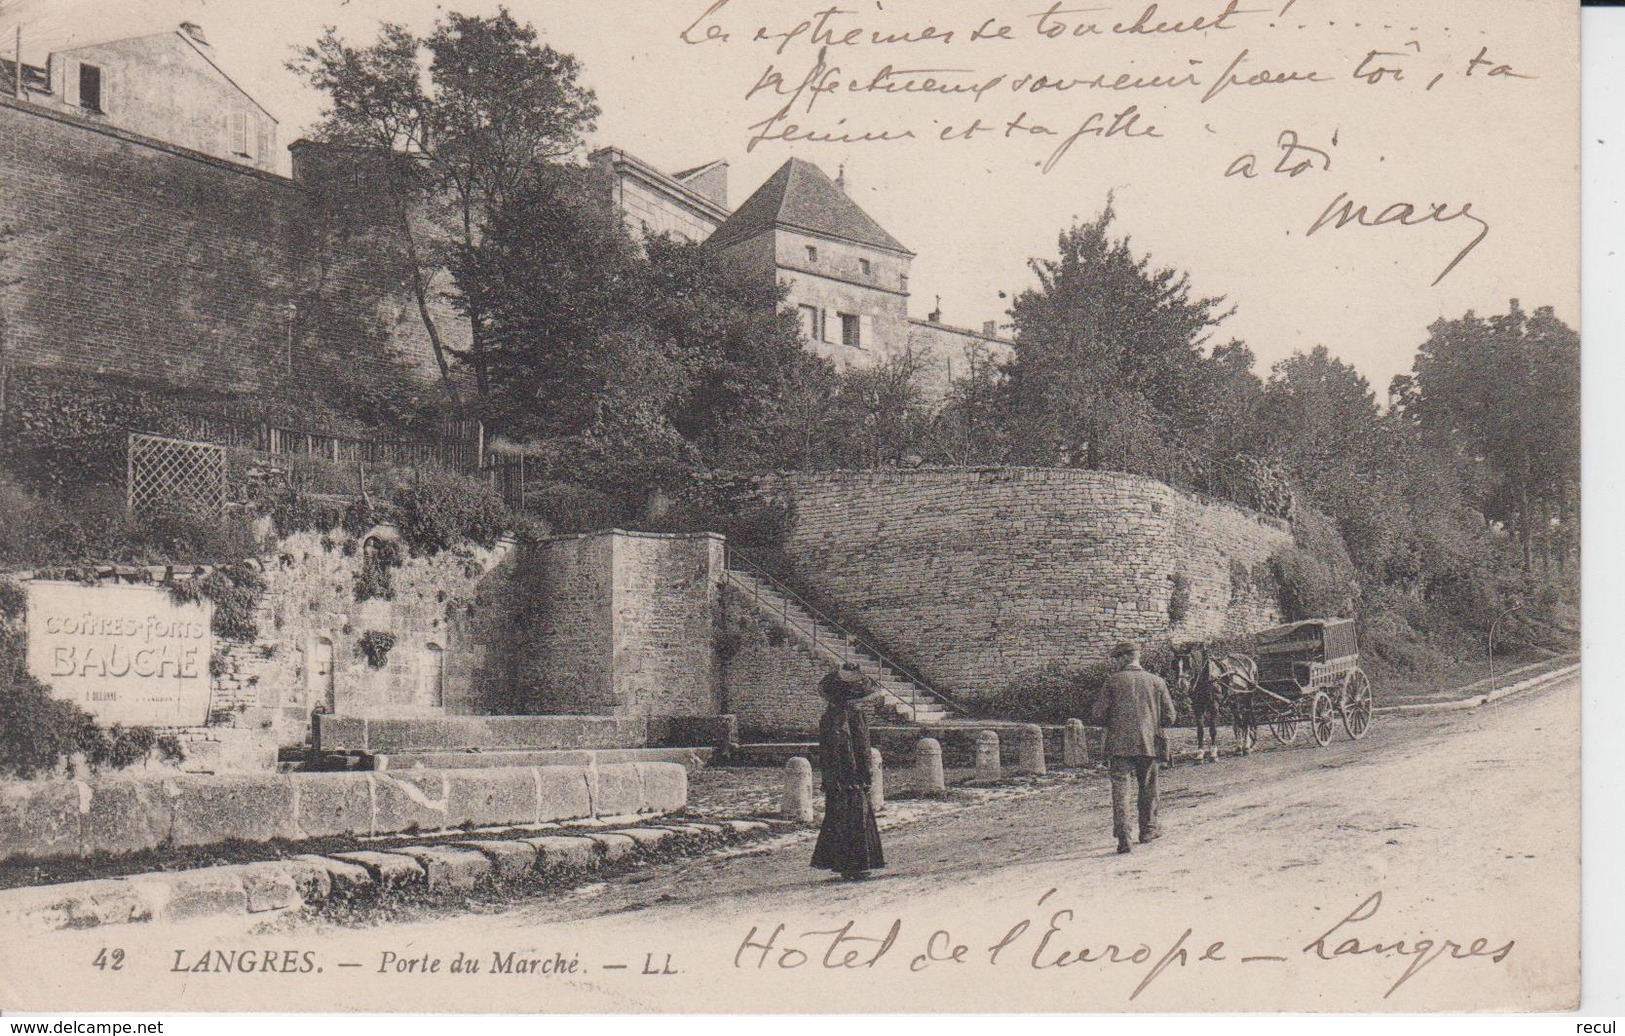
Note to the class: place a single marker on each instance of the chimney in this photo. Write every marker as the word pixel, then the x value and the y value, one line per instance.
pixel 935 316
pixel 990 328
pixel 840 178
pixel 194 30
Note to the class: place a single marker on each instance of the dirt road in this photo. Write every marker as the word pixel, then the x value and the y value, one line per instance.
pixel 1434 865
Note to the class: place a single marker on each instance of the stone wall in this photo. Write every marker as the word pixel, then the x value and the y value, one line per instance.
pixel 138 259
pixel 134 813
pixel 623 625
pixel 769 681
pixel 977 575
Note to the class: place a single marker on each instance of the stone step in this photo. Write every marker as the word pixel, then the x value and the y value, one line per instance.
pixel 692 758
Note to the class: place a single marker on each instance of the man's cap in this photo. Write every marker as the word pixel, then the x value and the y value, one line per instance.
pixel 1125 648
pixel 850 672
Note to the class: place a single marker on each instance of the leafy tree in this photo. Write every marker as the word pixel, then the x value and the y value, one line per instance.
pixel 1501 395
pixel 1109 369
pixel 460 140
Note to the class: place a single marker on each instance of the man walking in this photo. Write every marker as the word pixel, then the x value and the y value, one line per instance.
pixel 1133 707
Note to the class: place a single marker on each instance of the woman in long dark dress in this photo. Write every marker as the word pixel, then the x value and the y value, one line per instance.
pixel 849 841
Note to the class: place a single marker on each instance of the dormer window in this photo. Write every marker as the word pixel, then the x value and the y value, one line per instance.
pixel 812 254
pixel 863 264
pixel 90 88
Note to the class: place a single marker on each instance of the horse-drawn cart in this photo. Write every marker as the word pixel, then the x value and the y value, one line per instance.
pixel 1304 674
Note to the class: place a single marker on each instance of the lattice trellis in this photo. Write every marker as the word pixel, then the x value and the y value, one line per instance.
pixel 175 473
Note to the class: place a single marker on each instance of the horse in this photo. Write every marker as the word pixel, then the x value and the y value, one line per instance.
pixel 1213 679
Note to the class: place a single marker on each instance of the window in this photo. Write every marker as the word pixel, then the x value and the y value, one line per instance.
pixel 812 254
pixel 812 323
pixel 863 264
pixel 902 279
pixel 239 134
pixel 90 87
pixel 851 330
pixel 432 674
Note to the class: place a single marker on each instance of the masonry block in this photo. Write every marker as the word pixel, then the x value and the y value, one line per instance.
pixel 126 816
pixel 614 846
pixel 346 879
pixel 269 886
pixel 387 870
pixel 565 793
pixel 79 904
pixel 449 867
pixel 554 852
pixel 617 790
pixel 512 858
pixel 411 801
pixel 187 895
pixel 40 818
pixel 665 786
pixel 494 797
pixel 333 803
pixel 254 808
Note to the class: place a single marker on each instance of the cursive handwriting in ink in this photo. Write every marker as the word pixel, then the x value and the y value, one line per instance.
pixel 1342 211
pixel 1232 77
pixel 1125 123
pixel 1423 951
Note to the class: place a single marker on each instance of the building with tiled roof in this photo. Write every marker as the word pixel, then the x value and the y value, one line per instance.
pixel 847 276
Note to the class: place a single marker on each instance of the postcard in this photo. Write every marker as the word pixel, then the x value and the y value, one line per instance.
pixel 767 506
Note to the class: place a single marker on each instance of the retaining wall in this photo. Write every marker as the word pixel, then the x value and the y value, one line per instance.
pixel 977 575
pixel 134 813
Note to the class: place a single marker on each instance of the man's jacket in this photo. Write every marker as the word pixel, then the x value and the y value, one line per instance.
pixel 1133 704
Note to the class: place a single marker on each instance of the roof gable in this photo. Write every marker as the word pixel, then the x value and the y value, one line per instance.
pixel 799 196
pixel 180 40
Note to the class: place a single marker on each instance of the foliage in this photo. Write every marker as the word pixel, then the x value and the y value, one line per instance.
pixel 1469 395
pixel 40 733
pixel 1058 692
pixel 1179 598
pixel 1109 370
pixel 1315 575
pixel 374 646
pixel 461 138
pixel 439 509
pixel 234 590
pixel 374 580
pixel 89 525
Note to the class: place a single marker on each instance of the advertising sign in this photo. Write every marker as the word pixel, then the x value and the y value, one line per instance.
pixel 124 654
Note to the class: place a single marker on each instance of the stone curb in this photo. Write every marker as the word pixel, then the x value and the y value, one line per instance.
pixel 313 881
pixel 1465 704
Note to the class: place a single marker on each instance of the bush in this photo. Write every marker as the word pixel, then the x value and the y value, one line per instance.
pixel 87 525
pixel 439 509
pixel 235 592
pixel 1179 598
pixel 1315 575
pixel 374 646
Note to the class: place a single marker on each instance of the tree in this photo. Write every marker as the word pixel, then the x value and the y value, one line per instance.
pixel 497 105
pixel 1501 395
pixel 1109 369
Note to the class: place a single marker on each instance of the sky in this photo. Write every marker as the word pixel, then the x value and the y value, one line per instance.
pixel 1484 149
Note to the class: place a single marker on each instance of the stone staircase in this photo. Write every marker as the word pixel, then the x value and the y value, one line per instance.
pixel 909 699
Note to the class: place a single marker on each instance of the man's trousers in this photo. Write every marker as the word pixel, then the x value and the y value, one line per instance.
pixel 1138 772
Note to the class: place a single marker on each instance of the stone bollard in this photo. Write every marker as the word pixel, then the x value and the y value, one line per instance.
pixel 877 781
pixel 928 777
pixel 1030 750
pixel 798 791
pixel 987 756
pixel 1074 746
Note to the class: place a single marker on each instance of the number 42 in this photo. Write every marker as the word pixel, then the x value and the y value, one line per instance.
pixel 108 960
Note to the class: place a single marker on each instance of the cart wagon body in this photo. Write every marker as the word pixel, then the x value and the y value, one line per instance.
pixel 1307 673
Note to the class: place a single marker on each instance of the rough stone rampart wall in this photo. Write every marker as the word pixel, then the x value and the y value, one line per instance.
pixel 977 575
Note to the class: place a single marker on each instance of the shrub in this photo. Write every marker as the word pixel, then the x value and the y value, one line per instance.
pixel 1315 575
pixel 1179 598
pixel 374 646
pixel 439 509
pixel 235 592
pixel 375 579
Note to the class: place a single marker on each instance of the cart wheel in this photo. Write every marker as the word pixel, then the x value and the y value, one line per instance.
pixel 1285 729
pixel 1320 718
pixel 1356 704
